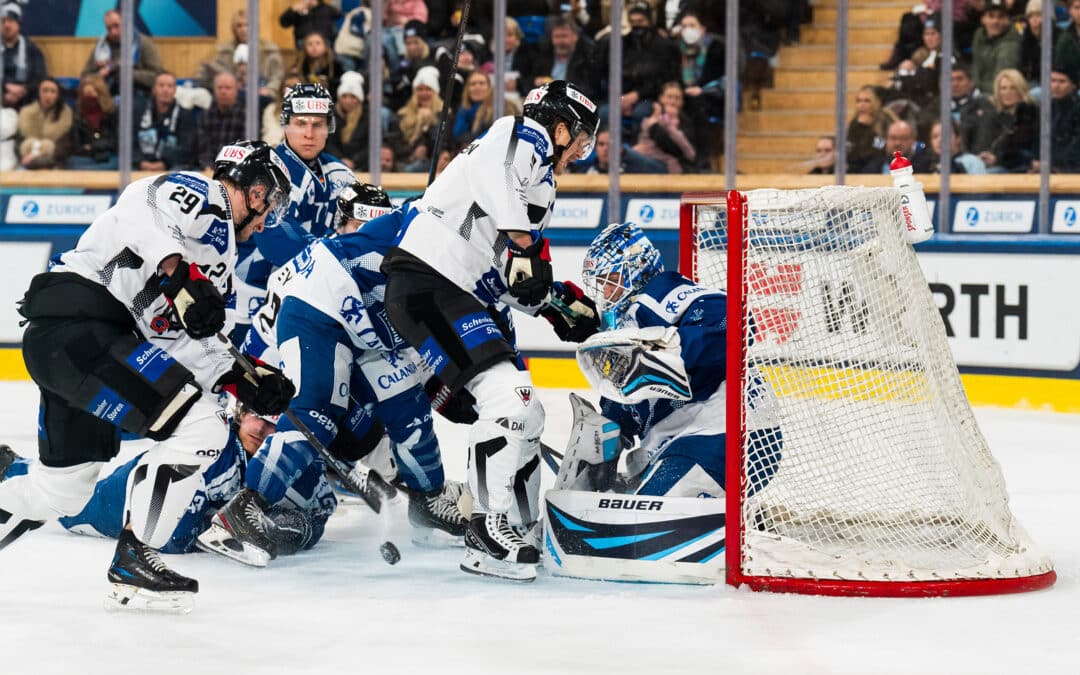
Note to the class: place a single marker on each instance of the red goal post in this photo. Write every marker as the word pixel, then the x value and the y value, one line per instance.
pixel 884 485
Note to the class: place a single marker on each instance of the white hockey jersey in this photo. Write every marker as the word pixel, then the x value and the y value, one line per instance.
pixel 503 181
pixel 181 213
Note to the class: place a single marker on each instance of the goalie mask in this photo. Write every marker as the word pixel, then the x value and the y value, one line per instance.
pixel 360 202
pixel 619 262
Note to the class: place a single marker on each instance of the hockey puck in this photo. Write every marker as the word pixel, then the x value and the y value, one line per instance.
pixel 390 553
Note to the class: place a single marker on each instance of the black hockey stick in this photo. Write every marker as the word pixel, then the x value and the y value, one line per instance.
pixel 447 90
pixel 369 485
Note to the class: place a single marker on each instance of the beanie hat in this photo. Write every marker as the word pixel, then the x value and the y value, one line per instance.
pixel 427 76
pixel 352 82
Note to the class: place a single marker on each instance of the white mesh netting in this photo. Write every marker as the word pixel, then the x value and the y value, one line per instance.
pixel 884 474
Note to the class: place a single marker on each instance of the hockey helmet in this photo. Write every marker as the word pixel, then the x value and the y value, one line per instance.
pixel 308 99
pixel 252 163
pixel 560 101
pixel 619 262
pixel 362 202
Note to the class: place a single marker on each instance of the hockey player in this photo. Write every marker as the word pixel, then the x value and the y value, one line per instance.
pixel 469 249
pixel 324 322
pixel 120 337
pixel 307 117
pixel 295 523
pixel 659 365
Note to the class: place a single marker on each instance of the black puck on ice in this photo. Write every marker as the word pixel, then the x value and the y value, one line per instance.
pixel 390 553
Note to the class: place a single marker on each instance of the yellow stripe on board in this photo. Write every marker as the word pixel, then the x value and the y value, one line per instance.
pixel 847 383
pixel 1031 393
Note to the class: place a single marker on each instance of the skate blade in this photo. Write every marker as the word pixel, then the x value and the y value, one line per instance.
pixel 430 537
pixel 124 598
pixel 484 565
pixel 216 539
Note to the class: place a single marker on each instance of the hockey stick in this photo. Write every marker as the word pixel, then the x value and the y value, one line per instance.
pixel 368 484
pixel 447 89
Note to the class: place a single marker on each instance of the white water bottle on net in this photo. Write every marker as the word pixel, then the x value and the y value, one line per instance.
pixel 878 481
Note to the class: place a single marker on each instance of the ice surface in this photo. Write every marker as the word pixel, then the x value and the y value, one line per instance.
pixel 340 606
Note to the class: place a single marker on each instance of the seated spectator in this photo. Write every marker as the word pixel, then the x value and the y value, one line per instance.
pixel 702 79
pixel 93 130
pixel 824 161
pixel 349 142
pixel 397 13
pixel 351 42
pixel 520 62
pixel 23 64
pixel 164 132
pixel 1031 42
pixel 901 138
pixel 649 60
pixel 565 55
pixel 1064 122
pixel 223 122
pixel 909 36
pixel 996 45
pixel 413 132
pixel 45 128
pixel 417 55
pixel 1015 125
pixel 318 64
pixel 272 131
pixel 1067 46
pixel 928 54
pixel 477 109
pixel 667 135
pixel 105 59
pixel 387 161
pixel 929 161
pixel 971 110
pixel 310 16
pixel 866 132
pixel 271 67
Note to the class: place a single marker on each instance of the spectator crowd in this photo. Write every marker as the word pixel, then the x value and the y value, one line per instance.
pixel 995 88
pixel 672 85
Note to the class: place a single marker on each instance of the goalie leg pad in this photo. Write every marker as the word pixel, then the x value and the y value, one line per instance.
pixel 504 444
pixel 167 478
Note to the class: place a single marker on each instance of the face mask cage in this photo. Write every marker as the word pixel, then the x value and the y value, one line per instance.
pixel 616 268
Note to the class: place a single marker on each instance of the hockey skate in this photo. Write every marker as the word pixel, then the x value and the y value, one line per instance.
pixel 238 531
pixel 142 582
pixel 7 458
pixel 437 522
pixel 494 549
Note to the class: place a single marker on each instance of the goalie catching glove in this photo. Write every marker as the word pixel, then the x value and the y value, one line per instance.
pixel 528 272
pixel 571 313
pixel 631 365
pixel 199 305
pixel 266 390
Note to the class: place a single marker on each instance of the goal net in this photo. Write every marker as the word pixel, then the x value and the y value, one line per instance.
pixel 878 481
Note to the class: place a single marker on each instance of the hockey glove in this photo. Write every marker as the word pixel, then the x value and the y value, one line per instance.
pixel 570 313
pixel 198 303
pixel 266 391
pixel 459 408
pixel 528 272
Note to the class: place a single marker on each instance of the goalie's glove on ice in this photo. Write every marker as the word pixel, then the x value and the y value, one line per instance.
pixel 528 272
pixel 459 408
pixel 266 391
pixel 199 305
pixel 571 313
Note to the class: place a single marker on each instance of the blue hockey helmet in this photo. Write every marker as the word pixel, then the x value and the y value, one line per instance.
pixel 619 262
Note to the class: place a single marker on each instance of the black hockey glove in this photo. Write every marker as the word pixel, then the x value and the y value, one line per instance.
pixel 528 272
pixel 458 408
pixel 199 305
pixel 266 391
pixel 570 313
